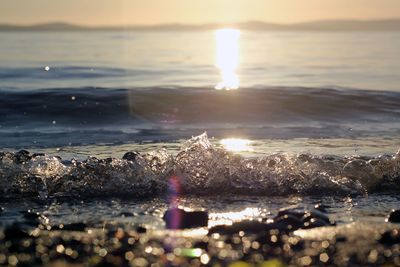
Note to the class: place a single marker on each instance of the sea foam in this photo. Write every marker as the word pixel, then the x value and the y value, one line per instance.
pixel 199 168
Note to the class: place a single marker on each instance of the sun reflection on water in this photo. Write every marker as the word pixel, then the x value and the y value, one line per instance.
pixel 227 218
pixel 227 58
pixel 236 144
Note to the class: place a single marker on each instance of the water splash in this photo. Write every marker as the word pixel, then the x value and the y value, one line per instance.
pixel 199 168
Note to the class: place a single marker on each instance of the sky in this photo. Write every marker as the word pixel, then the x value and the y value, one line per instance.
pixel 149 12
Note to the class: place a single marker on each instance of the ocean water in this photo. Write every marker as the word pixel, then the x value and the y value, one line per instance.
pixel 305 114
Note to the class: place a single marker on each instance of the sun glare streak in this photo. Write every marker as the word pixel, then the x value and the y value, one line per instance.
pixel 227 58
pixel 236 144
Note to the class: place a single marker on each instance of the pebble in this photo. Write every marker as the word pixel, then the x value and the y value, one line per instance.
pixel 394 216
pixel 31 218
pixel 340 239
pixel 390 237
pixel 22 156
pixel 301 218
pixel 176 218
pixel 126 214
pixel 246 226
pixel 80 226
pixel 34 155
pixel 313 223
pixel 287 220
pixel 141 229
pixel 14 232
pixel 130 156
pixel 321 208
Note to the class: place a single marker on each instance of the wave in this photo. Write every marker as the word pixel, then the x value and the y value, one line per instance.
pixel 185 106
pixel 65 116
pixel 199 168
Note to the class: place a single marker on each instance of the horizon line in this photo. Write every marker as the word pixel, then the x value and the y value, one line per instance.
pixel 77 24
pixel 377 25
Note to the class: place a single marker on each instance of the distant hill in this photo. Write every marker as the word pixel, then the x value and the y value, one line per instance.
pixel 324 25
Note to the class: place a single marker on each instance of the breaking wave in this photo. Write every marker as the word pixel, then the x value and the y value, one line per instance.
pixel 199 168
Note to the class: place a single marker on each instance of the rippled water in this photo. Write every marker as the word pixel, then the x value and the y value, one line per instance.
pixel 364 60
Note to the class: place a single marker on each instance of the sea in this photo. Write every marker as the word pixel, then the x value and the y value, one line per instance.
pixel 239 123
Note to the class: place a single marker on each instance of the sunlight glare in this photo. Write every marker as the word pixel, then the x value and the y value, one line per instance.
pixel 236 144
pixel 227 58
pixel 227 218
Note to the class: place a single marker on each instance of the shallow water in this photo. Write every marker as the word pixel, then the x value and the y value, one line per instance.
pixel 222 209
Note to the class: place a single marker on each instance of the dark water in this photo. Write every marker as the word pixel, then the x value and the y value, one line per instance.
pixel 61 117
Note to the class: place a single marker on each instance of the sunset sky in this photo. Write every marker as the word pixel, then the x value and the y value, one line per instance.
pixel 131 12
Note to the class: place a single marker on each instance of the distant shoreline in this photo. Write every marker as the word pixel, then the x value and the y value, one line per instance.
pixel 324 25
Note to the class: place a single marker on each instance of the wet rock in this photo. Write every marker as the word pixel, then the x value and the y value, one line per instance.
pixel 313 223
pixel 22 156
pixel 14 232
pixel 245 226
pixel 141 229
pixel 289 222
pixel 271 163
pixel 201 244
pixel 317 215
pixel 106 160
pixel 31 218
pixel 35 155
pixel 298 245
pixel 394 216
pixel 340 238
pixel 72 227
pixel 308 218
pixel 30 215
pixel 295 212
pixel 176 218
pixel 130 156
pixel 126 214
pixel 272 238
pixel 390 237
pixel 321 208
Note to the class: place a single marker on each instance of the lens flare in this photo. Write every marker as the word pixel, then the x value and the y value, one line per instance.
pixel 227 58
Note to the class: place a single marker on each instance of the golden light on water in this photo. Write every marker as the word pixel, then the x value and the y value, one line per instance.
pixel 236 144
pixel 227 58
pixel 227 218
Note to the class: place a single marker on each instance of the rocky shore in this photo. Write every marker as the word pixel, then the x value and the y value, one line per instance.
pixel 294 237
